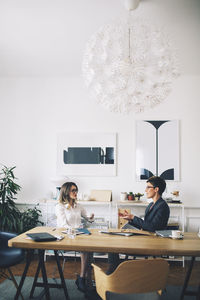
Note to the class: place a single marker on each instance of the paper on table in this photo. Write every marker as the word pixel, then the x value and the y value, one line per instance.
pixel 79 231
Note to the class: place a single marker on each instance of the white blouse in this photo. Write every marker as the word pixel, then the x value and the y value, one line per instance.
pixel 68 216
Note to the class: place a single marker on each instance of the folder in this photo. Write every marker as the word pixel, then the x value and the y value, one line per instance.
pixel 83 231
pixel 42 237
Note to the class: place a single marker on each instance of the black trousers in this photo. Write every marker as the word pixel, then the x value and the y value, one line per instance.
pixel 113 259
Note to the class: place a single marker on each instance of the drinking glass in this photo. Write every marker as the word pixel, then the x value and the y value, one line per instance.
pixel 71 232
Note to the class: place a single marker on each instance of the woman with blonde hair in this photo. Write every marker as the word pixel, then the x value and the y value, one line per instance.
pixel 69 214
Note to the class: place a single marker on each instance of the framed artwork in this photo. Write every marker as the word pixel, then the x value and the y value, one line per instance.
pixel 86 154
pixel 157 149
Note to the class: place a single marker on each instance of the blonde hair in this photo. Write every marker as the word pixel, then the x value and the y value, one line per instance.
pixel 64 192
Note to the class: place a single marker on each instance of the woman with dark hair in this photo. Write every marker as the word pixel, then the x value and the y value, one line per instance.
pixel 156 215
pixel 69 214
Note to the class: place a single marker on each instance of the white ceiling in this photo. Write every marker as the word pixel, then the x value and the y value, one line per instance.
pixel 48 37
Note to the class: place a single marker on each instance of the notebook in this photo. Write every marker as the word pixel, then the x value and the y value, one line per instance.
pixel 82 231
pixel 41 237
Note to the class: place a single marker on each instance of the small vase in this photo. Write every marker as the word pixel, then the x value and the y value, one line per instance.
pixel 123 196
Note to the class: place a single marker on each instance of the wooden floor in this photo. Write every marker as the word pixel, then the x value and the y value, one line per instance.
pixel 72 268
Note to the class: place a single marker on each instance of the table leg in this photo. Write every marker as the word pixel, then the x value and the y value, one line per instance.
pixel 35 281
pixel 28 261
pixel 198 293
pixel 44 274
pixel 45 284
pixel 61 274
pixel 187 278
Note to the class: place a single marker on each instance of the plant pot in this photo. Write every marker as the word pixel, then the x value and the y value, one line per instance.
pixel 130 197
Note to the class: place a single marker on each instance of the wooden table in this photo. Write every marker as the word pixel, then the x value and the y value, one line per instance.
pixel 98 242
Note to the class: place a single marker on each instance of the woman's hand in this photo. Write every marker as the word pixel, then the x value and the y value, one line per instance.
pixel 126 215
pixel 91 218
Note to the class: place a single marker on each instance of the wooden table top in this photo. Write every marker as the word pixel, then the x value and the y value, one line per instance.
pixel 99 242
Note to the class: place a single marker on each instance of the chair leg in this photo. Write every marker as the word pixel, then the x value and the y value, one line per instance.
pixel 14 281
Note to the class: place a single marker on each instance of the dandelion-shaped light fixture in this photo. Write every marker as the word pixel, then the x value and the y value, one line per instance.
pixel 129 65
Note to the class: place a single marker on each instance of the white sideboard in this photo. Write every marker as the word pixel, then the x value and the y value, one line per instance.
pixel 102 211
pixel 188 216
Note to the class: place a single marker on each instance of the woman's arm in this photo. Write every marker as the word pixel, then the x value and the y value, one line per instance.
pixel 157 222
pixel 61 216
pixel 84 215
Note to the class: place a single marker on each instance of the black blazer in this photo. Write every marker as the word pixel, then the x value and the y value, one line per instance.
pixel 156 218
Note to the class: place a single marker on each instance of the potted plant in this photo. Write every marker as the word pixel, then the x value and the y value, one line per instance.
pixel 9 214
pixel 130 196
pixel 137 196
pixel 11 219
pixel 30 219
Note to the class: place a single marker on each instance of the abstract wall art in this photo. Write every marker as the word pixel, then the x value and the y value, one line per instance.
pixel 157 149
pixel 86 154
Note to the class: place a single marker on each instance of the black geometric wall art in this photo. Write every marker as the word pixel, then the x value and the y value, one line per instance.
pixel 157 149
pixel 86 154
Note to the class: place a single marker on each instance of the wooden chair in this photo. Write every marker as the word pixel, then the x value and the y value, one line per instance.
pixel 133 277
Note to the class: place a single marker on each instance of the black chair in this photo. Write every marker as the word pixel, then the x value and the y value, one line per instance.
pixel 9 256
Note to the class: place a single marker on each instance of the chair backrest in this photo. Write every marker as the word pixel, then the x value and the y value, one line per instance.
pixel 134 276
pixel 4 237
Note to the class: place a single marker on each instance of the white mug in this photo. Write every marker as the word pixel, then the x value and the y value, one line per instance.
pixel 123 196
pixel 199 232
pixel 86 197
pixel 176 234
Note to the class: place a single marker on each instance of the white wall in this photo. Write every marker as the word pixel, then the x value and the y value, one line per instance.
pixel 34 110
pixel 42 44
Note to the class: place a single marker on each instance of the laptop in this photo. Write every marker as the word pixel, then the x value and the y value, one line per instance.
pixel 164 233
pixel 41 237
pixel 117 233
pixel 128 226
pixel 122 233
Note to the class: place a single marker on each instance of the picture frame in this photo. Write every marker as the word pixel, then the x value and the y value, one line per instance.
pixel 86 154
pixel 157 149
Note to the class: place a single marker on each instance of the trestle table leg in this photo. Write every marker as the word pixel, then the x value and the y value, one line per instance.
pixel 28 261
pixel 187 278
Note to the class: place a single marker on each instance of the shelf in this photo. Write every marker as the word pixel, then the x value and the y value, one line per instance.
pixel 94 202
pixel 74 254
